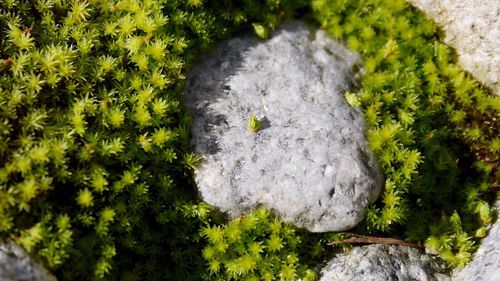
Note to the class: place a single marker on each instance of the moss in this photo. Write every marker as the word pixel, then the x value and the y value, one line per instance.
pixel 257 246
pixel 254 124
pixel 95 174
pixel 429 121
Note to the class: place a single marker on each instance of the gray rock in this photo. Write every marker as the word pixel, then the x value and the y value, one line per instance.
pixel 310 161
pixel 472 27
pixel 16 265
pixel 383 262
pixel 485 264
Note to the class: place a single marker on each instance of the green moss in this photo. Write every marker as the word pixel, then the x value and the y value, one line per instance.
pixel 428 122
pixel 254 124
pixel 256 246
pixel 95 175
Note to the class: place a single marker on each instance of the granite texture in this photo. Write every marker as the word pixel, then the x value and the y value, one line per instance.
pixel 472 27
pixel 310 161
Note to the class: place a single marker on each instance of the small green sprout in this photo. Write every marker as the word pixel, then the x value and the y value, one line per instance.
pixel 192 160
pixel 254 124
pixel 260 30
pixel 352 99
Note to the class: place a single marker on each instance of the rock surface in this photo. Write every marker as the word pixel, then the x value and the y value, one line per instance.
pixel 310 161
pixel 472 27
pixel 485 264
pixel 16 265
pixel 383 262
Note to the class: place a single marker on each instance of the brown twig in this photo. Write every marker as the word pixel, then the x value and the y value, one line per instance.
pixel 365 239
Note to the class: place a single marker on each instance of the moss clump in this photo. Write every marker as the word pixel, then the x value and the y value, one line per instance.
pixel 428 122
pixel 95 173
pixel 95 176
pixel 257 246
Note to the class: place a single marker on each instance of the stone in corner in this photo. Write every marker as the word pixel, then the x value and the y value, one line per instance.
pixel 383 262
pixel 16 264
pixel 472 27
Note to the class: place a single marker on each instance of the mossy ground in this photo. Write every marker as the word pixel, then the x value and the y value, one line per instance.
pixel 96 176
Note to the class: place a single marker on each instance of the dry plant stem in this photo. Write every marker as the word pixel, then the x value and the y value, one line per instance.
pixel 365 239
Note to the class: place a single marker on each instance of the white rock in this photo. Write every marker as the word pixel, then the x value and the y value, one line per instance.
pixel 16 264
pixel 310 162
pixel 472 27
pixel 383 262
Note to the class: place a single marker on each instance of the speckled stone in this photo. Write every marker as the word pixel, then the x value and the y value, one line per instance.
pixel 310 162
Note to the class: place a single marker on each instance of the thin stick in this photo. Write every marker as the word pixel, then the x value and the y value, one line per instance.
pixel 365 239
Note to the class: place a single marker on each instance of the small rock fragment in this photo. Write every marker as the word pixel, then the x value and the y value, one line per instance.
pixel 16 264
